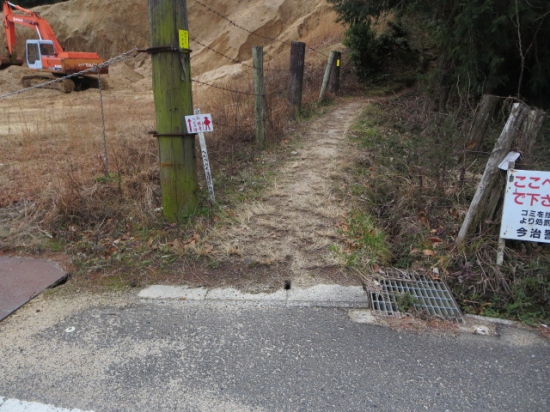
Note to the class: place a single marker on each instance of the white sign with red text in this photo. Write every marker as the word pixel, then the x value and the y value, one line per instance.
pixel 526 214
pixel 199 123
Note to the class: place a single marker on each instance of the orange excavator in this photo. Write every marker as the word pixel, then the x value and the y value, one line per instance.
pixel 45 54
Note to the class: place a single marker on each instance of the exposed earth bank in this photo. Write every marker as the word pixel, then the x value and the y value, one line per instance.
pixel 220 34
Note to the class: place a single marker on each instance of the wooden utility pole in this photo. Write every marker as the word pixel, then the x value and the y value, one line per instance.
pixel 297 59
pixel 335 75
pixel 173 101
pixel 326 78
pixel 259 93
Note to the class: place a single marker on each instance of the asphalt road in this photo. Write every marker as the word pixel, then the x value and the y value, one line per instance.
pixel 127 354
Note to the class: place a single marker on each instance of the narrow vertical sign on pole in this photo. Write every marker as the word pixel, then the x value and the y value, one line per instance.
pixel 201 123
pixel 184 39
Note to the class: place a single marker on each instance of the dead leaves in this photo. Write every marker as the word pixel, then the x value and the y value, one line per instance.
pixel 190 245
pixel 429 252
pixel 435 240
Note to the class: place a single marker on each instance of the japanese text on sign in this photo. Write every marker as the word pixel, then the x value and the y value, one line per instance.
pixel 183 36
pixel 526 214
pixel 199 123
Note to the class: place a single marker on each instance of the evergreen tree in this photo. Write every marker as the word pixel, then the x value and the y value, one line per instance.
pixel 485 46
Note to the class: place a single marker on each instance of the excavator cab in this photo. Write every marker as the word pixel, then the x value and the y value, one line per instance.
pixel 36 49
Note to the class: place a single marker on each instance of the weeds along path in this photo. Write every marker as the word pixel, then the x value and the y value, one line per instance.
pixel 292 228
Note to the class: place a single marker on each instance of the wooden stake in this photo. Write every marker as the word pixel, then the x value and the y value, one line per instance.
pixel 326 78
pixel 489 188
pixel 172 91
pixel 259 92
pixel 297 59
pixel 335 75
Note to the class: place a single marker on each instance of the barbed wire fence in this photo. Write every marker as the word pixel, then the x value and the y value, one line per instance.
pixel 232 108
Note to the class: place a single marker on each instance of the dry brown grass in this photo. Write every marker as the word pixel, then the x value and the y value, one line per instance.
pixel 418 178
pixel 56 194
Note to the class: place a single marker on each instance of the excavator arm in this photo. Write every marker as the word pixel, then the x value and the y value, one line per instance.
pixel 29 19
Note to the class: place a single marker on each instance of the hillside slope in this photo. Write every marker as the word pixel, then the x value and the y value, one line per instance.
pixel 111 28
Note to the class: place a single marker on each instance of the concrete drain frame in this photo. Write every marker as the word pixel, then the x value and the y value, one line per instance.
pixel 420 292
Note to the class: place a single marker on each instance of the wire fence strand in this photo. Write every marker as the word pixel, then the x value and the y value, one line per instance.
pixel 271 39
pixel 233 59
pixel 270 82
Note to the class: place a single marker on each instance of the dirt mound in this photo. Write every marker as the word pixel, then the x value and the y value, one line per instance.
pixel 216 29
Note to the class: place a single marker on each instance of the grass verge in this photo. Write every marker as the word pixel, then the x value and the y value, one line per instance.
pixel 415 177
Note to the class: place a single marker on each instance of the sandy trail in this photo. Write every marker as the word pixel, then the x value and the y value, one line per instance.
pixel 296 223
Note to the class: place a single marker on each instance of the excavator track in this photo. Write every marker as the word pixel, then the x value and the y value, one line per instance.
pixel 78 83
pixel 65 85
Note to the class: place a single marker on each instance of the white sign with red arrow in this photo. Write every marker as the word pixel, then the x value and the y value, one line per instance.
pixel 199 123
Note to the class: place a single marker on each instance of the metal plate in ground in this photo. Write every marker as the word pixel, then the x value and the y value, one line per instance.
pixel 418 293
pixel 21 279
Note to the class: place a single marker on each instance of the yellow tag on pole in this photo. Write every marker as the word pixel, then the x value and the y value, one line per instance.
pixel 184 39
pixel 337 62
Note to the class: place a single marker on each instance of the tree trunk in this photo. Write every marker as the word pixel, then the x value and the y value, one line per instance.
pixel 484 113
pixel 528 136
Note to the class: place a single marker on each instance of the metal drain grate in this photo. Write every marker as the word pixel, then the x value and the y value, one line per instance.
pixel 427 295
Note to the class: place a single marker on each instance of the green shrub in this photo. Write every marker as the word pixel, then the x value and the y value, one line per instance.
pixel 375 56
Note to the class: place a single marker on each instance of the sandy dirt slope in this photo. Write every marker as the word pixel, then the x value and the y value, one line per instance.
pixel 114 27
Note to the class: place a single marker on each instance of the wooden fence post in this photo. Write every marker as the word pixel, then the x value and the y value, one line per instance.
pixel 326 78
pixel 259 91
pixel 172 91
pixel 490 188
pixel 335 75
pixel 297 59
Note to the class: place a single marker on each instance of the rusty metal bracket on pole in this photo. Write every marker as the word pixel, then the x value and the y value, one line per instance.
pixel 162 49
pixel 154 133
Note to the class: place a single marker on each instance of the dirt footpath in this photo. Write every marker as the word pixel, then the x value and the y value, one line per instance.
pixel 295 224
